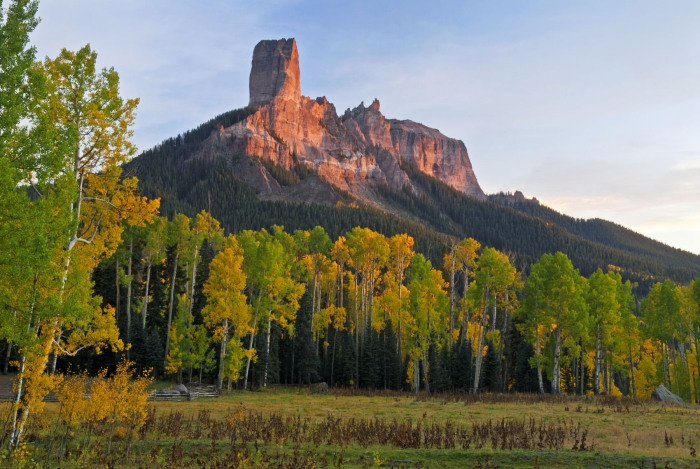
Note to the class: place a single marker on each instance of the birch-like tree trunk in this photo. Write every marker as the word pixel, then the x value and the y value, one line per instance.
pixel 222 358
pixel 170 308
pixel 598 359
pixel 480 342
pixel 144 312
pixel 128 301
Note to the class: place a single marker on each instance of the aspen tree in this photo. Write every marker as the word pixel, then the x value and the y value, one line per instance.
pixel 661 313
pixel 179 235
pixel 401 253
pixel 226 310
pixel 492 280
pixel 429 305
pixel 466 257
pixel 605 314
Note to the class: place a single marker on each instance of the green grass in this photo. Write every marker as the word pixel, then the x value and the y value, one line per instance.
pixel 623 433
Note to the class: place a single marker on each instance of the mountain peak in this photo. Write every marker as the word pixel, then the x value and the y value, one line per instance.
pixel 275 72
pixel 354 153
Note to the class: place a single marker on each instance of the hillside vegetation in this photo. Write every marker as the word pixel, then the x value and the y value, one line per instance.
pixel 433 212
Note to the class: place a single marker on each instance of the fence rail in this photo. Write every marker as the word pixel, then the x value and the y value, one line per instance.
pixel 156 395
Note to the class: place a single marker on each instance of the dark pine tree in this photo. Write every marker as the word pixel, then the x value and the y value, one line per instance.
pixel 306 354
pixel 491 378
pixel 370 361
pixel 460 367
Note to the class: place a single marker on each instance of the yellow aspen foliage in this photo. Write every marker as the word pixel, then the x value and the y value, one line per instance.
pixel 71 397
pixel 226 310
pixel 176 354
pixel 645 377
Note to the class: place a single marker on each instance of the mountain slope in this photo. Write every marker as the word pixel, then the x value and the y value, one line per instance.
pixel 427 208
pixel 354 151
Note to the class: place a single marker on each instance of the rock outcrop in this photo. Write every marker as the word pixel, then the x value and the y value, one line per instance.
pixel 662 394
pixel 354 151
pixel 275 72
pixel 517 197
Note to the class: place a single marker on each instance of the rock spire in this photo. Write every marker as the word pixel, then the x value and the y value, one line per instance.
pixel 274 72
pixel 355 151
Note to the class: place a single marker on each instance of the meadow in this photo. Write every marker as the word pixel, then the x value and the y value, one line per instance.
pixel 296 427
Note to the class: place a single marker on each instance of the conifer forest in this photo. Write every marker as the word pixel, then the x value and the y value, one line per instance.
pixel 111 286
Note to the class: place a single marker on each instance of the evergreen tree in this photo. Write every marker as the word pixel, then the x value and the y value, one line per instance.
pixel 348 360
pixel 491 369
pixel 371 375
pixel 390 358
pixel 306 354
pixel 440 369
pixel 460 367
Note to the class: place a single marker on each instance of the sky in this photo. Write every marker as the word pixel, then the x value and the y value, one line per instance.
pixel 592 107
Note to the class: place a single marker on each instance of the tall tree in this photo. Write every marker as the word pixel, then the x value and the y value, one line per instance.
pixel 401 254
pixel 605 314
pixel 554 303
pixel 493 279
pixel 153 253
pixel 179 235
pixel 661 313
pixel 466 257
pixel 226 310
pixel 429 306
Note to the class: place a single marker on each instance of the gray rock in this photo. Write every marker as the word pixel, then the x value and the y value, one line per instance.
pixel 321 388
pixel 275 72
pixel 181 388
pixel 662 394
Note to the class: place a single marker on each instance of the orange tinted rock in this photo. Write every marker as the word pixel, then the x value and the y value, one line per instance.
pixel 355 151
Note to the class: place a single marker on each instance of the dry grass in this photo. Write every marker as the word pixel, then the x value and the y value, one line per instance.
pixel 615 425
pixel 625 433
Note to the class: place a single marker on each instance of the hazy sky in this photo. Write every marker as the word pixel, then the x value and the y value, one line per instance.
pixel 592 107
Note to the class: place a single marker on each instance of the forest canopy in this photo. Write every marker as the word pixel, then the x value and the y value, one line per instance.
pixel 95 278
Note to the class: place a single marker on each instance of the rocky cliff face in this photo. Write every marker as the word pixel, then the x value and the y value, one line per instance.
pixel 353 151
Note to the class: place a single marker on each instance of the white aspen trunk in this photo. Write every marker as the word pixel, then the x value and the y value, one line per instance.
pixel 144 312
pixel 15 408
pixel 128 301
pixel 465 320
pixel 452 296
pixel 363 294
pixel 493 315
pixel 598 359
pixel 556 387
pixel 480 345
pixel 371 298
pixel 504 331
pixel 194 281
pixel 634 382
pixel 583 372
pixel 117 287
pixel 170 307
pixel 357 319
pixel 539 356
pixel 267 346
pixel 250 344
pixel 71 243
pixel 399 332
pixel 222 358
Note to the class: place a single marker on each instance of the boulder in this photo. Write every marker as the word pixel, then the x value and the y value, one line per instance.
pixel 662 394
pixel 181 388
pixel 321 388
